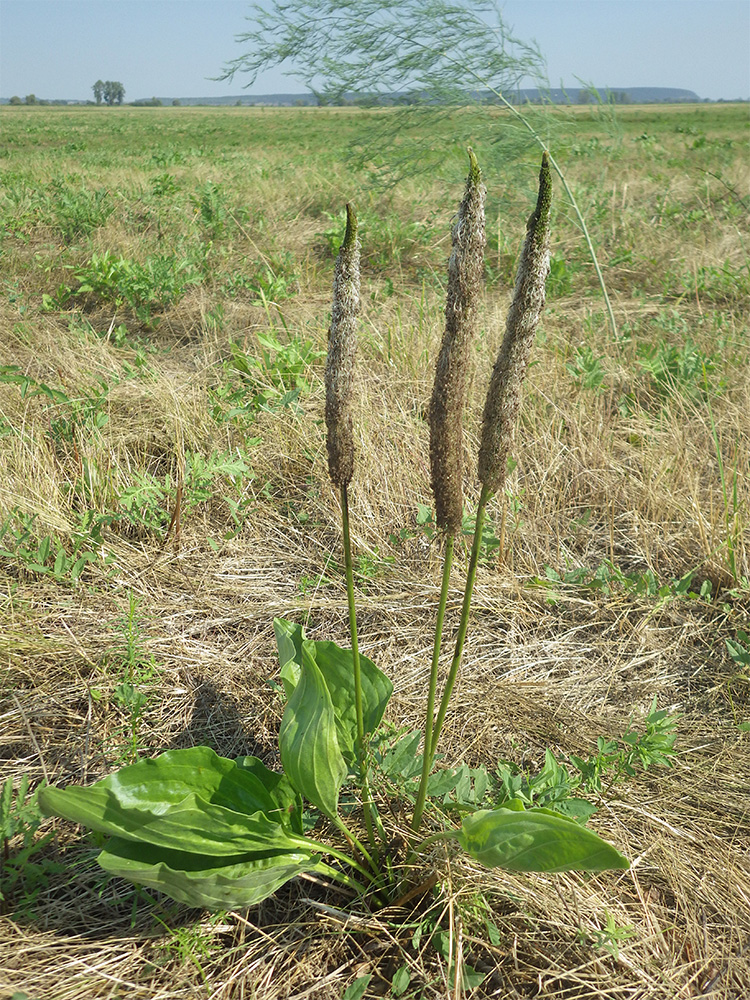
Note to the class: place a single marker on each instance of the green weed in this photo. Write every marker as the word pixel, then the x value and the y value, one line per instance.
pixel 608 577
pixel 273 380
pixel 607 938
pixel 46 554
pixel 164 185
pixel 489 544
pixel 618 759
pixel 739 651
pixel 560 280
pixel 149 502
pixel 587 369
pixel 672 369
pixel 157 283
pixel 68 416
pixel 78 212
pixel 555 786
pixel 136 670
pixel 210 207
pixel 192 943
pixel 21 878
pixel 388 239
pixel 271 280
pixel 615 760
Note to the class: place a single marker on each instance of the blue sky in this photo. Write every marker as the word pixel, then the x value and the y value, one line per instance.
pixel 169 48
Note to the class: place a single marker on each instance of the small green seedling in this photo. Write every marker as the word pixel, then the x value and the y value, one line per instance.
pixel 607 938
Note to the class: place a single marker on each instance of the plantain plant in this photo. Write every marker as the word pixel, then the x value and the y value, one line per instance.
pixel 218 833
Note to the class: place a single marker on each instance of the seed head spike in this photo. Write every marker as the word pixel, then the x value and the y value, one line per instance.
pixel 504 396
pixel 465 268
pixel 341 353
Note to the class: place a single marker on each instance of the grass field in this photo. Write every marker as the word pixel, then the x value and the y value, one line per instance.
pixel 165 297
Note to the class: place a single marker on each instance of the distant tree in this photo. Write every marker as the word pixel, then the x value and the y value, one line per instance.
pixel 16 100
pixel 30 99
pixel 588 95
pixel 176 102
pixel 98 89
pixel 113 92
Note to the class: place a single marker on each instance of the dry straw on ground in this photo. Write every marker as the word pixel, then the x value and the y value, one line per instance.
pixel 546 666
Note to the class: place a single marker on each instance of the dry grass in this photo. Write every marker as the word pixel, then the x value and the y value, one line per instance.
pixel 628 473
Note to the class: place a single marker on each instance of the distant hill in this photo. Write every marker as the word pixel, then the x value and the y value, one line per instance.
pixel 575 95
pixel 633 95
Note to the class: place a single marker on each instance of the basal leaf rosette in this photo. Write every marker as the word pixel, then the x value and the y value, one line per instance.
pixel 206 830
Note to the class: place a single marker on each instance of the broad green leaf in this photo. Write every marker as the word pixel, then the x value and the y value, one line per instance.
pixel 357 989
pixel 404 760
pixel 191 879
pixel 43 551
pixel 581 810
pixel 60 563
pixel 535 840
pixel 739 653
pixel 245 785
pixel 308 739
pixel 337 667
pixel 400 981
pixel 279 788
pixel 289 637
pixel 190 800
pixel 192 825
pixel 469 976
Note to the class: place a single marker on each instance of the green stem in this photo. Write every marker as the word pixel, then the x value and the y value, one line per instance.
pixel 360 748
pixel 351 883
pixel 430 715
pixel 464 623
pixel 356 842
pixel 434 838
pixel 307 843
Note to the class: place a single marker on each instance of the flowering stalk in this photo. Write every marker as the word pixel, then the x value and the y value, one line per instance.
pixel 465 268
pixel 503 401
pixel 339 374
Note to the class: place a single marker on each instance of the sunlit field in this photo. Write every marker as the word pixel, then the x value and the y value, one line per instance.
pixel 165 294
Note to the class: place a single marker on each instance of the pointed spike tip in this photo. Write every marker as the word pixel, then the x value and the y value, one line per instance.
pixel 539 218
pixel 475 174
pixel 350 235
